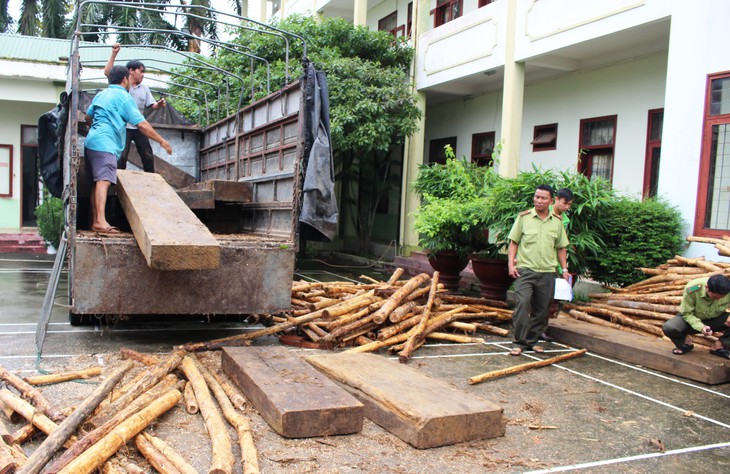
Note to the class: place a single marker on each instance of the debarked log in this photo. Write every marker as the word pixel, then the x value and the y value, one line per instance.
pixel 523 367
pixel 97 454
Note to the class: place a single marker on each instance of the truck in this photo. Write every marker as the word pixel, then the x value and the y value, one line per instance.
pixel 264 146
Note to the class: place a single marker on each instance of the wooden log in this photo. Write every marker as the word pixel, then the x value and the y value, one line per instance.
pixel 581 316
pixel 5 434
pixel 24 433
pixel 234 395
pixel 417 334
pixel 459 299
pixel 242 425
pixel 447 336
pixel 129 466
pixel 637 312
pixel 698 262
pixel 685 270
pixel 63 377
pixel 191 404
pixel 390 331
pixel 224 190
pixel 222 455
pixel 462 326
pixel 397 273
pixel 97 454
pixel 145 359
pixel 492 329
pixel 394 301
pixel 523 367
pixel 30 413
pixel 624 320
pixel 31 393
pixel 171 240
pixel 723 249
pixel 658 308
pixel 158 391
pixel 151 377
pixel 112 467
pixel 55 440
pixel 158 460
pixel 402 312
pixel 8 462
pixel 170 453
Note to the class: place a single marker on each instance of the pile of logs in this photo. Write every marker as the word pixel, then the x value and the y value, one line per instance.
pixel 398 314
pixel 94 433
pixel 644 306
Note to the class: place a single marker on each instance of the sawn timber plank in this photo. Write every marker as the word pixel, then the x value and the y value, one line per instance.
pixel 650 352
pixel 421 410
pixel 170 236
pixel 296 400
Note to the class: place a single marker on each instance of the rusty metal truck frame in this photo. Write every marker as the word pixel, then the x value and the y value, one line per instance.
pixel 261 144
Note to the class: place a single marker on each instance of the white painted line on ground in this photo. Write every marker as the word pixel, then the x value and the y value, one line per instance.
pixel 639 457
pixel 49 262
pixel 115 330
pixel 340 276
pixel 301 275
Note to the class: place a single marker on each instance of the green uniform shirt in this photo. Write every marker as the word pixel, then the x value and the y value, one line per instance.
pixel 697 305
pixel 566 221
pixel 538 241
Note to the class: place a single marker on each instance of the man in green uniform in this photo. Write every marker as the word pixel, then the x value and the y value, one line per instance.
pixel 703 310
pixel 537 244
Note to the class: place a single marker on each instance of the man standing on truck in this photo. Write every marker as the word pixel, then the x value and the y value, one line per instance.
pixel 107 116
pixel 143 98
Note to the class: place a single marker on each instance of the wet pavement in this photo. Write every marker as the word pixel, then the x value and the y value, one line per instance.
pixel 604 415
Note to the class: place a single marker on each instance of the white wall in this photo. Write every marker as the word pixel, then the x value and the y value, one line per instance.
pixel 693 54
pixel 565 101
pixel 628 90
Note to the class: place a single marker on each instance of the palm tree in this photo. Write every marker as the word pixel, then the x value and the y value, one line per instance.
pixel 6 22
pixel 53 15
pixel 29 23
pixel 199 27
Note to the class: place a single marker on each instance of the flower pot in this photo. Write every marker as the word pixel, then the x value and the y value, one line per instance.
pixel 449 265
pixel 494 279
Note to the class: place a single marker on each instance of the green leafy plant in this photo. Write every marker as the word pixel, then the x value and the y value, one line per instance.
pixel 50 219
pixel 635 234
pixel 508 197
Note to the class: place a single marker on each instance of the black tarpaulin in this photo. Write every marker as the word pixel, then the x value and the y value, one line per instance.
pixel 319 212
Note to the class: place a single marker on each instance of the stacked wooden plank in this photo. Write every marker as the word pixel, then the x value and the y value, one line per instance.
pixel 116 413
pixel 645 306
pixel 722 245
pixel 398 314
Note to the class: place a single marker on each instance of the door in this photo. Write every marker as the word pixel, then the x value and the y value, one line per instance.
pixel 31 178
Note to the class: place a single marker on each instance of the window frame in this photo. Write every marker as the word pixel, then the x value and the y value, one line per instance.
pixel 394 31
pixel 482 3
pixel 10 170
pixel 706 149
pixel 436 147
pixel 651 145
pixel 585 161
pixel 479 159
pixel 542 130
pixel 439 12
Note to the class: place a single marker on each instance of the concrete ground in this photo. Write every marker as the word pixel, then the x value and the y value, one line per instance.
pixel 600 415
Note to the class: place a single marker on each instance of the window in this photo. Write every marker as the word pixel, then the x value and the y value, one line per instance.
pixel 544 137
pixel 481 3
pixel 482 145
pixel 653 152
pixel 6 170
pixel 446 10
pixel 409 25
pixel 436 149
pixel 713 195
pixel 390 24
pixel 597 141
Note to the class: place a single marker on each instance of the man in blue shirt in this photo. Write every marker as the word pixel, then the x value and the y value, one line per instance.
pixel 109 113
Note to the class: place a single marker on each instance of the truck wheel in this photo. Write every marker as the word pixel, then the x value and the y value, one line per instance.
pixel 78 319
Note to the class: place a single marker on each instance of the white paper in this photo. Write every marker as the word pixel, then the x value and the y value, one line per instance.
pixel 563 290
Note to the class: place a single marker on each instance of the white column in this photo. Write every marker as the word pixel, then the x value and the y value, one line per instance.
pixel 360 15
pixel 413 153
pixel 512 99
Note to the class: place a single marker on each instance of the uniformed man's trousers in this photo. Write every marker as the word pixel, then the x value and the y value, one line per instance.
pixel 533 292
pixel 677 329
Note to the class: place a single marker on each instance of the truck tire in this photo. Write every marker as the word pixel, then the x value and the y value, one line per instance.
pixel 79 319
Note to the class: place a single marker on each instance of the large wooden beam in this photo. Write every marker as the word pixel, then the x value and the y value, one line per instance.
pixel 294 399
pixel 650 352
pixel 422 411
pixel 226 191
pixel 170 236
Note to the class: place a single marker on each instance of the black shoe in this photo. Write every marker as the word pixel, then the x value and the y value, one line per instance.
pixel 545 337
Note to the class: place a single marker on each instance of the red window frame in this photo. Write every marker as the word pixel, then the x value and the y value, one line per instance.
pixel 482 159
pixel 545 137
pixel 588 152
pixel 10 171
pixel 385 23
pixel 446 10
pixel 710 121
pixel 482 3
pixel 653 150
pixel 409 24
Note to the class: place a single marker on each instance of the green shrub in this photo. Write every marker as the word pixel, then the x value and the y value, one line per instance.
pixel 635 234
pixel 50 219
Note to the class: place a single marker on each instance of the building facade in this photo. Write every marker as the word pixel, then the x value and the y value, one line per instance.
pixel 635 91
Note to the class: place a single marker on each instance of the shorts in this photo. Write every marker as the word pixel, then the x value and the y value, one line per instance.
pixel 101 166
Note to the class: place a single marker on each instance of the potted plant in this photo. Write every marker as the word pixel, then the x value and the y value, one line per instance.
pixel 447 222
pixel 49 215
